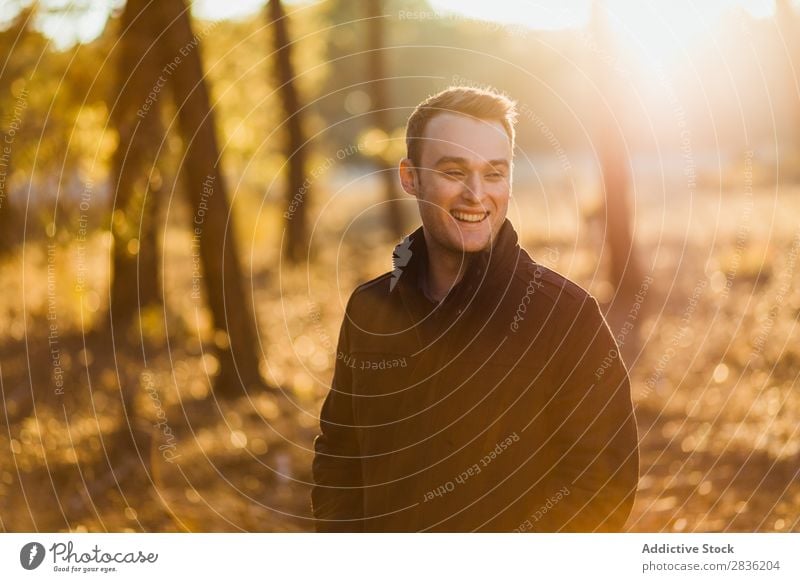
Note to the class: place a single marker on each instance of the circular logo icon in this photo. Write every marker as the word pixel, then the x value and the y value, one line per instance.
pixel 31 555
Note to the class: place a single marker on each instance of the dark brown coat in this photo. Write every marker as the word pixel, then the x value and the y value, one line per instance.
pixel 504 408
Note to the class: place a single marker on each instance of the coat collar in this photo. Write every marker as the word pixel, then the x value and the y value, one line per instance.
pixel 484 271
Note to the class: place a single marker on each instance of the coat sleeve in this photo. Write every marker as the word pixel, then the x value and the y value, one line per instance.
pixel 596 455
pixel 336 496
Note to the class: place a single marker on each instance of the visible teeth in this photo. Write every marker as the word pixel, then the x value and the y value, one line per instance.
pixel 468 217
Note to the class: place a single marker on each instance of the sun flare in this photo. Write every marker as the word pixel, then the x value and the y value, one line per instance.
pixel 657 30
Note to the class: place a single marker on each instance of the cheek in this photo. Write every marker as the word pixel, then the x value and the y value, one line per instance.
pixel 500 197
pixel 439 194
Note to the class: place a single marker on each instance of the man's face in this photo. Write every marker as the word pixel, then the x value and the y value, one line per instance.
pixel 463 183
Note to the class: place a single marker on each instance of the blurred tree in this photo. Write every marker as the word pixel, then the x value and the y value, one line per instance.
pixel 135 112
pixel 378 91
pixel 61 143
pixel 10 71
pixel 297 194
pixel 135 178
pixel 625 271
pixel 234 321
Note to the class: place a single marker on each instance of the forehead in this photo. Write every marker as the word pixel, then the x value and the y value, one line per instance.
pixel 453 134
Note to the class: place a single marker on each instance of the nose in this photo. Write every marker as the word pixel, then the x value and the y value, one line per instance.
pixel 473 188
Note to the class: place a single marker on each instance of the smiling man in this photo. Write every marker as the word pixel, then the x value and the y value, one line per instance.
pixel 474 389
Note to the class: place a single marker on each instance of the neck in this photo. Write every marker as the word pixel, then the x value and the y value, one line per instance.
pixel 444 270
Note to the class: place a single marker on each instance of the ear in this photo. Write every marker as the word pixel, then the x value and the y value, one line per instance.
pixel 408 177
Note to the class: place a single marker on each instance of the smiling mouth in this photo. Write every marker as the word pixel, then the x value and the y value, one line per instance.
pixel 471 217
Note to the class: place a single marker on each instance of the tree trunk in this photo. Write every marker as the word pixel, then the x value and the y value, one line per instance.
pixel 614 163
pixel 7 222
pixel 378 85
pixel 12 108
pixel 787 18
pixel 296 243
pixel 228 298
pixel 135 281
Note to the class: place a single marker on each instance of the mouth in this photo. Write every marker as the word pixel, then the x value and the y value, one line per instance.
pixel 469 217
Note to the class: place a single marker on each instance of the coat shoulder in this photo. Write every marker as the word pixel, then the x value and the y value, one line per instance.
pixel 563 292
pixel 371 294
pixel 373 303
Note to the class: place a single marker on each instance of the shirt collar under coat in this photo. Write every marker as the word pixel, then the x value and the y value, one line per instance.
pixel 487 271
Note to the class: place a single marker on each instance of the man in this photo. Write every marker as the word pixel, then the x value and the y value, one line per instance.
pixel 474 389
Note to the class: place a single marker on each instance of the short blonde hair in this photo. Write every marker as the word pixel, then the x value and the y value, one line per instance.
pixel 480 103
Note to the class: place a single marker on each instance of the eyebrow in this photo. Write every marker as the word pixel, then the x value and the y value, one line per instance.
pixel 464 162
